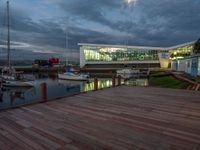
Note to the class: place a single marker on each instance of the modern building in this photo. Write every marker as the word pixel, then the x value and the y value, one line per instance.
pixel 105 56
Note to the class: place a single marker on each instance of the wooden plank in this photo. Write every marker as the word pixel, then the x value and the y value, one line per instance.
pixel 116 118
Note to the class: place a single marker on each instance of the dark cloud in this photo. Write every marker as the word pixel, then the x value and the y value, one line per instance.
pixel 161 23
pixel 149 23
pixel 92 10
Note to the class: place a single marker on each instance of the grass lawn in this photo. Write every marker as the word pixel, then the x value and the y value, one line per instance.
pixel 165 80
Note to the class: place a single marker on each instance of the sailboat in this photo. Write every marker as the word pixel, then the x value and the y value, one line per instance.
pixel 70 73
pixel 9 76
pixel 73 76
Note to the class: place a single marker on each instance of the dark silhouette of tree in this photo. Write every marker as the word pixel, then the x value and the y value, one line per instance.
pixel 196 48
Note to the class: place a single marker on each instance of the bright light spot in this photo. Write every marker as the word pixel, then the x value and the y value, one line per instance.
pixel 131 2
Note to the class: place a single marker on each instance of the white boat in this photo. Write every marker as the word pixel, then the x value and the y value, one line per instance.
pixel 124 71
pixel 9 76
pixel 73 76
pixel 128 73
pixel 12 78
pixel 71 73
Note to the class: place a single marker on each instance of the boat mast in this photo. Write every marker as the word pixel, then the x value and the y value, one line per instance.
pixel 67 46
pixel 8 36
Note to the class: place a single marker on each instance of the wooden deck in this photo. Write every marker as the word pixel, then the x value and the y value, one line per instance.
pixel 118 118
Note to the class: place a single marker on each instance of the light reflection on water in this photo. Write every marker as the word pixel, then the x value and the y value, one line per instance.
pixel 14 97
pixel 137 82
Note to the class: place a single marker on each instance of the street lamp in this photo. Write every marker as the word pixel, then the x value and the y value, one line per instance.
pixel 131 2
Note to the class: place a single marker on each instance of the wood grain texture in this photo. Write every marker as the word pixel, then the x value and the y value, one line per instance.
pixel 123 118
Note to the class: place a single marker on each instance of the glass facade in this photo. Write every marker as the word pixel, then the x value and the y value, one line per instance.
pixel 106 54
pixel 181 52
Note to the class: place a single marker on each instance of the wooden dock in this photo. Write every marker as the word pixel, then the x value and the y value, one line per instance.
pixel 120 118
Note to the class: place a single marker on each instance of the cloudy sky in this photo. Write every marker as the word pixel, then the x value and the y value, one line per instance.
pixel 39 27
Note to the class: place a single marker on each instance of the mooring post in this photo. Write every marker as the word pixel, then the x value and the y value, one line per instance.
pixel 113 81
pixel 44 91
pixel 95 84
pixel 119 80
pixel 197 87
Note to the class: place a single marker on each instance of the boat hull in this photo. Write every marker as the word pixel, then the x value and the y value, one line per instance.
pixel 17 83
pixel 69 77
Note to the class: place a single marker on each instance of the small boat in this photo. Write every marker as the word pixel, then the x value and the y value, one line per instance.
pixel 128 73
pixel 73 76
pixel 70 72
pixel 12 78
pixel 9 76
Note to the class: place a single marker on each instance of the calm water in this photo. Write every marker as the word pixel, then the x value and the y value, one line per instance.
pixel 14 97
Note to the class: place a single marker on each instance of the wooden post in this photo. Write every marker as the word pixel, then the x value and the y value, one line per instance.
pixel 197 87
pixel 119 80
pixel 44 91
pixel 95 84
pixel 113 81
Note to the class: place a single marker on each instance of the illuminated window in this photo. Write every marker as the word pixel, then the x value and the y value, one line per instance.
pixel 118 54
pixel 181 52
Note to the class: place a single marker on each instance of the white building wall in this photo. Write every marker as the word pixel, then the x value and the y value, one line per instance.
pixel 188 66
pixel 182 65
pixel 173 65
pixel 82 58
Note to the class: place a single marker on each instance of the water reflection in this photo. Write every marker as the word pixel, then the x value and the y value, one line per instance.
pixel 69 84
pixel 137 82
pixel 102 83
pixel 13 97
pixel 106 83
pixel 16 93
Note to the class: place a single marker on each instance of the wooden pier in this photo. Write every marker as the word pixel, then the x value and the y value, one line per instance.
pixel 120 118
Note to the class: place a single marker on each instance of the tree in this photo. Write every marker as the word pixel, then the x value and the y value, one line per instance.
pixel 196 48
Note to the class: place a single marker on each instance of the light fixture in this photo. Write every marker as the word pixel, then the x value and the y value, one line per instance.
pixel 131 2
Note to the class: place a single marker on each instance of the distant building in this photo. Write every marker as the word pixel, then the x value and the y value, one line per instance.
pixel 117 56
pixel 51 62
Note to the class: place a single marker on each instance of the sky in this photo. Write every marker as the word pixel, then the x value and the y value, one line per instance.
pixel 39 27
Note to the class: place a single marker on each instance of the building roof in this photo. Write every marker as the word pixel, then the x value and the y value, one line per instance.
pixel 180 45
pixel 137 47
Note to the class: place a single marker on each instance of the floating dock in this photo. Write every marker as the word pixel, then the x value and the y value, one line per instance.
pixel 116 118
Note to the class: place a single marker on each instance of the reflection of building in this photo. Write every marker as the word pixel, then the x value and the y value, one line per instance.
pixel 99 55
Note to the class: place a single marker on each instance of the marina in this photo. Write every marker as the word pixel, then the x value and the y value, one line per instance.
pixel 123 117
pixel 99 75
pixel 12 97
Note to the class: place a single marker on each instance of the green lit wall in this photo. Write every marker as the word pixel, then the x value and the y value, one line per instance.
pixel 106 83
pixel 106 54
pixel 181 52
